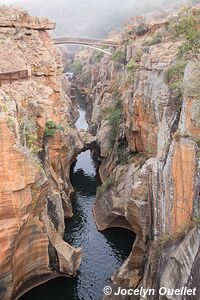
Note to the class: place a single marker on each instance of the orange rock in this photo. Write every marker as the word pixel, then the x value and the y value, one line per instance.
pixel 192 124
pixel 143 136
pixel 28 235
pixel 183 172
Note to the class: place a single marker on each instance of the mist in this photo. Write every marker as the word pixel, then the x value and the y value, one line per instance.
pixel 90 18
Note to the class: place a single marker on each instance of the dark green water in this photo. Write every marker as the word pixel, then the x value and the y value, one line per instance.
pixel 104 251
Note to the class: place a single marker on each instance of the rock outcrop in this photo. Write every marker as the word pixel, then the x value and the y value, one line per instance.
pixel 38 143
pixel 143 108
pixel 150 172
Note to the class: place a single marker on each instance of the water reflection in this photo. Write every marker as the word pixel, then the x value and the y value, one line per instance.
pixel 81 122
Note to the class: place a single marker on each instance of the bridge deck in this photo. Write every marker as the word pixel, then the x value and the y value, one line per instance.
pixel 84 41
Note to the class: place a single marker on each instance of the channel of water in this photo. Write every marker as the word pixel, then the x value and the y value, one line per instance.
pixel 104 251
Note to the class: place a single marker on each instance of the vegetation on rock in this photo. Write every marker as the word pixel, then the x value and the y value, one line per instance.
pixel 196 219
pixel 156 39
pixel 106 186
pixel 52 128
pixel 131 65
pixel 114 118
pixel 120 56
pixel 33 144
pixel 188 27
pixel 122 154
pixel 141 29
pixel 75 68
pixel 97 57
pixel 28 134
pixel 174 77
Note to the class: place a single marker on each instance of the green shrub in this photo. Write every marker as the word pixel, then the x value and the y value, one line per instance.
pixel 97 57
pixel 51 128
pixel 156 39
pixel 141 29
pixel 114 118
pixel 188 28
pixel 131 65
pixel 60 127
pixel 174 78
pixel 122 154
pixel 174 75
pixel 196 219
pixel 120 57
pixel 75 68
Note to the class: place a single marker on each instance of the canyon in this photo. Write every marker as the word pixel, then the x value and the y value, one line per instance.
pixel 34 193
pixel 143 108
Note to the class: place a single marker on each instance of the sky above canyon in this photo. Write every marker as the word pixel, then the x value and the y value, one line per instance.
pixel 89 18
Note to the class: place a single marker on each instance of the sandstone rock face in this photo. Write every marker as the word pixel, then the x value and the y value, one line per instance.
pixel 174 267
pixel 34 185
pixel 156 192
pixel 12 17
pixel 178 267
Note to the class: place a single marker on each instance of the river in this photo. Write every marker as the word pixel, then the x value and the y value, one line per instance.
pixel 104 251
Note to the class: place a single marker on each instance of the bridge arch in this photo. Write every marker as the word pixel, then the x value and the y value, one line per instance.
pixel 91 43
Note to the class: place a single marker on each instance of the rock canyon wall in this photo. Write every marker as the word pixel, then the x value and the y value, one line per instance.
pixel 144 107
pixel 38 143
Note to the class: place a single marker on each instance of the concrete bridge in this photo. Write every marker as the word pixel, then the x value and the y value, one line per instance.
pixel 92 43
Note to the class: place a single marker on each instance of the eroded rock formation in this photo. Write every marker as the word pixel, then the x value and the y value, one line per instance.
pixel 147 127
pixel 150 173
pixel 38 143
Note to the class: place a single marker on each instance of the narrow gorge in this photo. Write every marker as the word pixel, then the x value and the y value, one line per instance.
pixel 99 172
